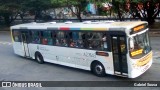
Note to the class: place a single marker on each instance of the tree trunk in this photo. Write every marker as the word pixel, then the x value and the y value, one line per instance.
pixel 22 16
pixel 150 12
pixel 7 19
pixel 36 16
pixel 54 10
pixel 117 6
pixel 119 14
pixel 79 18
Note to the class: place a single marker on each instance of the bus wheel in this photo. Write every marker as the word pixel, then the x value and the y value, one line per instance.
pixel 98 69
pixel 39 58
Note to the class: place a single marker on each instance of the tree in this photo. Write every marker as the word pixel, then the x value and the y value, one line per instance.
pixel 146 10
pixel 9 10
pixel 101 6
pixel 79 5
pixel 121 7
pixel 36 7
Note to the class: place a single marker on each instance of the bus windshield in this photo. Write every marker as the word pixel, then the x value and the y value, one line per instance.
pixel 141 45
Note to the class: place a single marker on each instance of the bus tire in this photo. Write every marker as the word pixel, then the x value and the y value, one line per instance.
pixel 39 58
pixel 98 69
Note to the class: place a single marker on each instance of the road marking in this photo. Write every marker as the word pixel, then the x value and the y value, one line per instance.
pixel 5 43
pixel 156 55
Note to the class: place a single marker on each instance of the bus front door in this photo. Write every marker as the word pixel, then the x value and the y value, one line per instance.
pixel 119 55
pixel 24 36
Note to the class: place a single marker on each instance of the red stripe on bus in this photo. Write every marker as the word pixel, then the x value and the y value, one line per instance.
pixel 64 28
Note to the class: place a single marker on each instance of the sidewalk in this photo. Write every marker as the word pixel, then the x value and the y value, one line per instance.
pixel 155 29
pixel 4 28
pixel 154 32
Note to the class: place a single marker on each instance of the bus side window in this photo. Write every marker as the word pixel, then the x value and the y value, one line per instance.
pixel 123 45
pixel 54 36
pixel 46 39
pixel 35 37
pixel 71 40
pixel 93 40
pixel 80 42
pixel 75 39
pixel 61 39
pixel 16 36
pixel 49 37
pixel 72 43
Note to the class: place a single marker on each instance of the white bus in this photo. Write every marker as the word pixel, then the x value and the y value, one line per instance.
pixel 116 48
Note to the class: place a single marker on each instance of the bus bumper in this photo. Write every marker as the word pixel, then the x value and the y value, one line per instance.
pixel 139 71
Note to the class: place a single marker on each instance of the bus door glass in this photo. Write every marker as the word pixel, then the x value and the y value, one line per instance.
pixel 25 36
pixel 119 54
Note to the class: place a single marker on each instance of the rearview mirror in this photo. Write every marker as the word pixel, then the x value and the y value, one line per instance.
pixel 131 43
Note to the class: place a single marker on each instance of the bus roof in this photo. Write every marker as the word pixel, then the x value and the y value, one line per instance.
pixel 87 25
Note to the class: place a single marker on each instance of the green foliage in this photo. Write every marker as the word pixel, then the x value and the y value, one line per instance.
pixel 69 3
pixel 58 3
pixel 120 1
pixel 137 1
pixel 9 9
pixel 20 5
pixel 9 6
pixel 99 2
pixel 80 5
pixel 37 4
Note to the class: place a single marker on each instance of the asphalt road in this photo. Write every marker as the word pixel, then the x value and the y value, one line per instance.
pixel 16 68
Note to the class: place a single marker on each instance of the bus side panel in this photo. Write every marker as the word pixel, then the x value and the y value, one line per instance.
pixel 46 51
pixel 50 54
pixel 72 57
pixel 107 61
pixel 18 48
pixel 32 50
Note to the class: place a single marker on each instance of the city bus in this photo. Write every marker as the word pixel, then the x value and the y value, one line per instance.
pixel 104 47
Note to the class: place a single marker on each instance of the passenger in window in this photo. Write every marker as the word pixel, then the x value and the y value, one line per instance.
pixel 89 36
pixel 57 42
pixel 80 44
pixel 54 36
pixel 95 44
pixel 45 41
pixel 104 39
pixel 90 46
pixel 64 43
pixel 85 42
pixel 36 40
pixel 50 41
pixel 72 43
pixel 90 43
pixel 16 38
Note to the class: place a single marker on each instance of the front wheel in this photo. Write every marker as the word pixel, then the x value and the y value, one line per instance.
pixel 98 69
pixel 39 58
